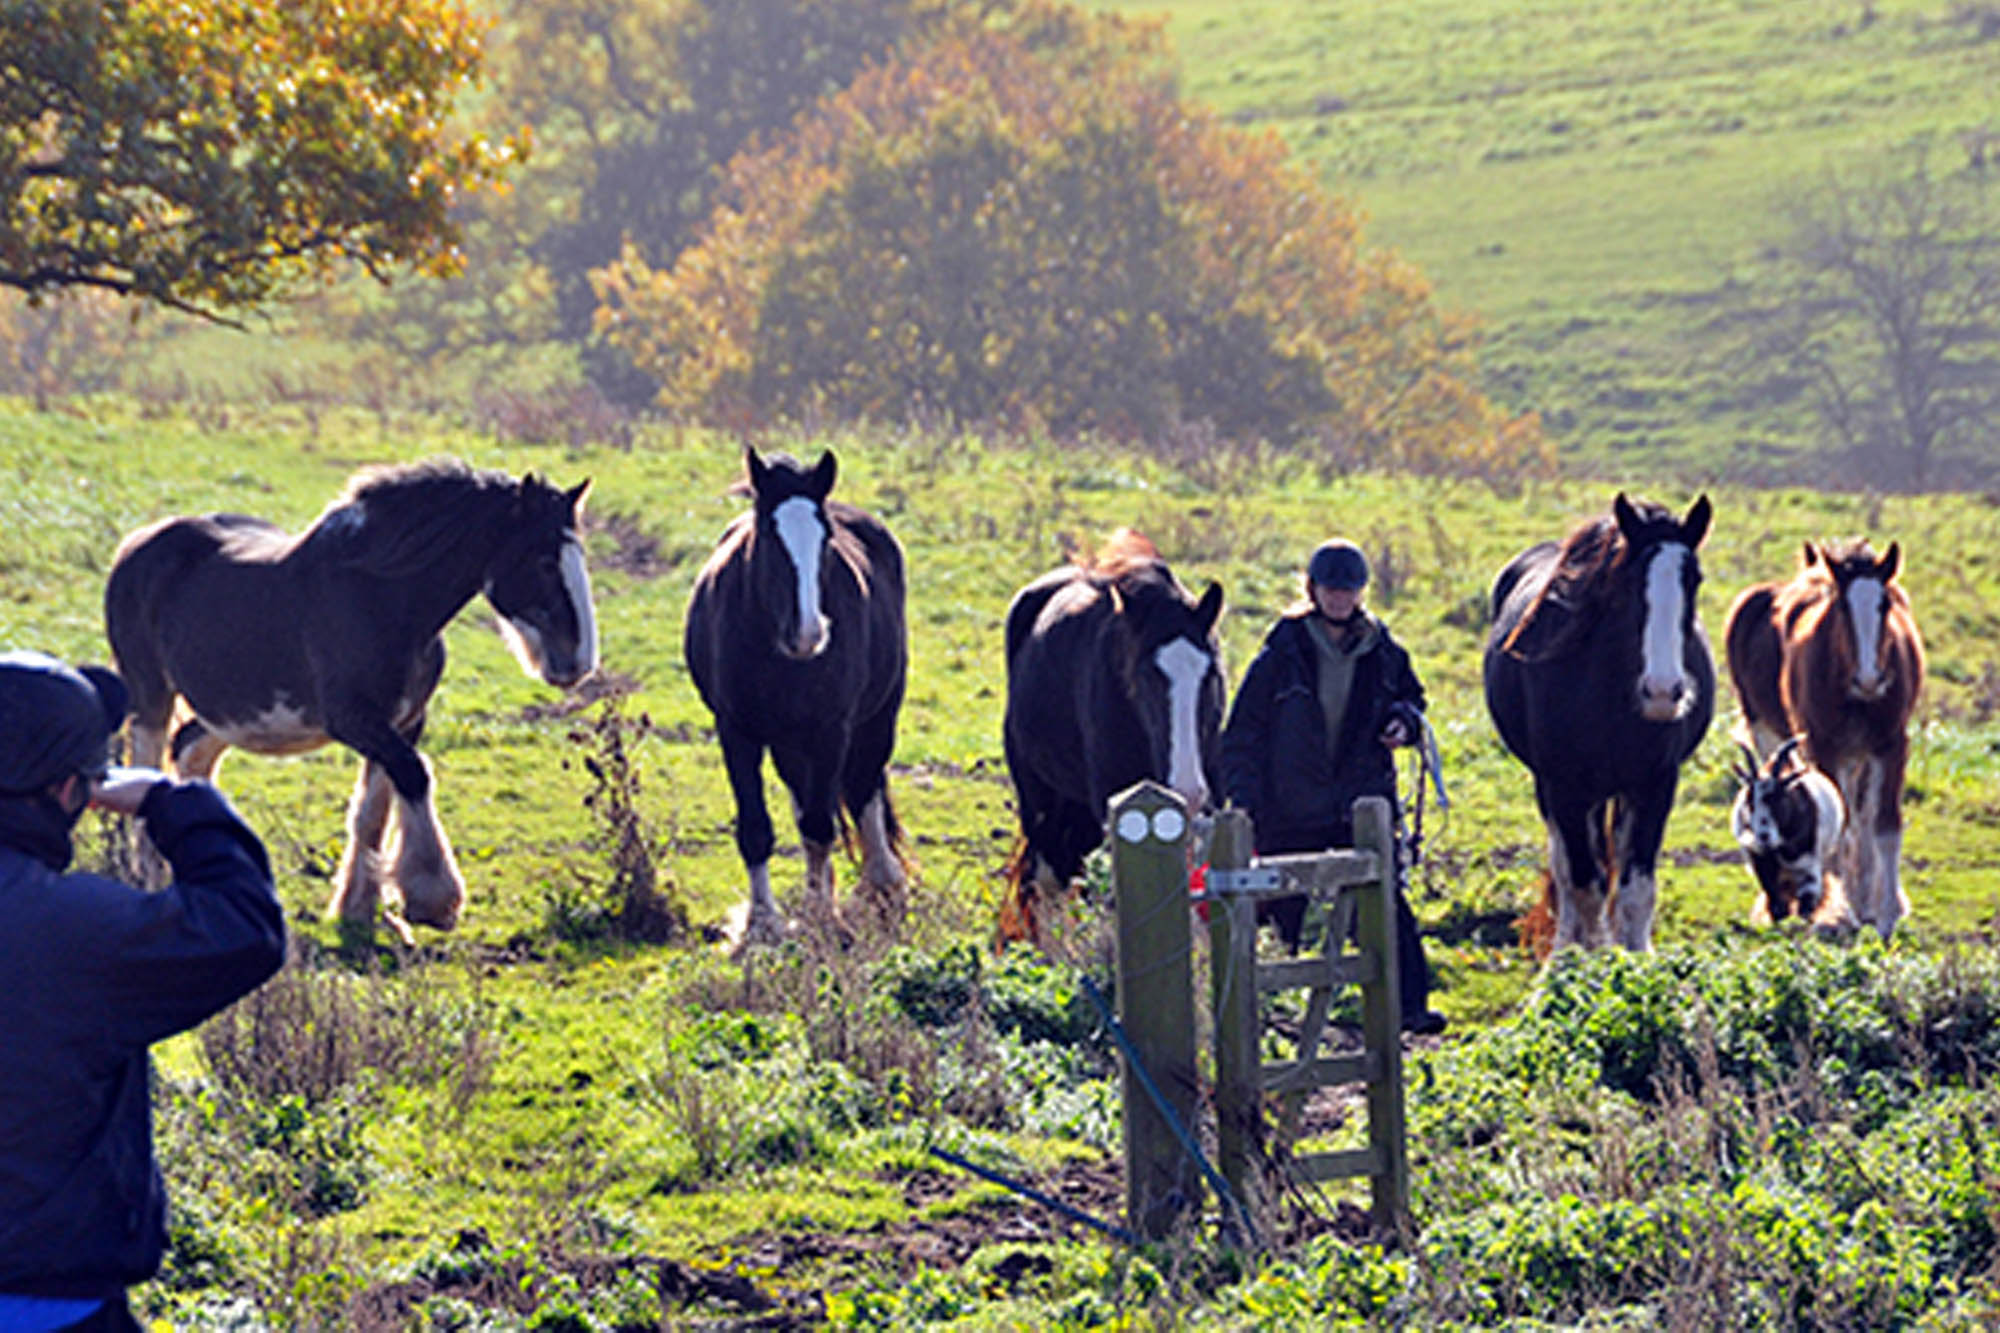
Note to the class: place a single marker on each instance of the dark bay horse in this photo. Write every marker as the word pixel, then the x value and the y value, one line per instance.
pixel 1598 678
pixel 281 643
pixel 796 640
pixel 1113 676
pixel 1834 656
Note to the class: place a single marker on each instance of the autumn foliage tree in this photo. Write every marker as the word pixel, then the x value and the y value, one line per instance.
pixel 209 157
pixel 1021 221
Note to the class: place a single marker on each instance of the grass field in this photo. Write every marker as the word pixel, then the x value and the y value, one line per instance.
pixel 1583 177
pixel 563 1110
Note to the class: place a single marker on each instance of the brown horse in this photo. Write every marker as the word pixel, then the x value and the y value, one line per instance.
pixel 1114 676
pixel 1834 656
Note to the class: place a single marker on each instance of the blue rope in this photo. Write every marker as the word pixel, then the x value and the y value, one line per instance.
pixel 1167 1112
pixel 1110 1229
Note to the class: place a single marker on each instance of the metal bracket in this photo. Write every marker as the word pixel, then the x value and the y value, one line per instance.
pixel 1250 879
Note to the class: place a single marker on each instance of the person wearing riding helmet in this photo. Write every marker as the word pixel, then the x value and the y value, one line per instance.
pixel 1325 700
pixel 95 972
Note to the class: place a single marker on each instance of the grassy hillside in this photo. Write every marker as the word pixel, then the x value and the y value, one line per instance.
pixel 524 1098
pixel 1583 175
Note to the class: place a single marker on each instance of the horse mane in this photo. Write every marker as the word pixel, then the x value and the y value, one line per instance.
pixel 1123 551
pixel 406 511
pixel 1578 584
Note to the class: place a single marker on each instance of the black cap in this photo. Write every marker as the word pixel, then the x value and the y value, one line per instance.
pixel 55 720
pixel 1338 564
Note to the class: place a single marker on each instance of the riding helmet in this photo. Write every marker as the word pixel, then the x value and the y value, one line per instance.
pixel 1338 564
pixel 55 720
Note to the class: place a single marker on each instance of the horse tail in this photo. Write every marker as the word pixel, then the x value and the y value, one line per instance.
pixel 1017 907
pixel 145 563
pixel 1536 927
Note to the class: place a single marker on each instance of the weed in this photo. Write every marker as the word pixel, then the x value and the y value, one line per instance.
pixel 638 900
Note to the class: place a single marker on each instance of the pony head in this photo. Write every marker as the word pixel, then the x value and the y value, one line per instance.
pixel 1172 673
pixel 1861 585
pixel 789 546
pixel 1657 551
pixel 540 586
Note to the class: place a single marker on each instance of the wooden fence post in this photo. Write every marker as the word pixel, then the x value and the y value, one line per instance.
pixel 1149 830
pixel 1381 1014
pixel 1232 989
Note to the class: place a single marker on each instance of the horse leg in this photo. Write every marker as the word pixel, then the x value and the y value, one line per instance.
pixel 357 891
pixel 744 758
pixel 197 751
pixel 815 807
pixel 1577 875
pixel 149 750
pixel 426 872
pixel 1885 836
pixel 1638 828
pixel 1856 854
pixel 865 789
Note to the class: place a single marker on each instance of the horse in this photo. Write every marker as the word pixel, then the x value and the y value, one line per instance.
pixel 1113 676
pixel 1834 655
pixel 1598 678
pixel 1788 818
pixel 278 644
pixel 796 639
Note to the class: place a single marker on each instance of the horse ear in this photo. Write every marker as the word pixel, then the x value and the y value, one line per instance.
pixel 1628 518
pixel 823 474
pixel 756 468
pixel 1808 554
pixel 1892 560
pixel 1695 526
pixel 573 497
pixel 1209 609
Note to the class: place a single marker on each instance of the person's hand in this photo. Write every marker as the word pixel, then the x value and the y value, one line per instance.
pixel 123 789
pixel 1396 733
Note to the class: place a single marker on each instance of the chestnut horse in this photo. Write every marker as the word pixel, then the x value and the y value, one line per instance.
pixel 1834 656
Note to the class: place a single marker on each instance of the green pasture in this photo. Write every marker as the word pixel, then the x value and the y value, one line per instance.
pixel 584 1130
pixel 1583 178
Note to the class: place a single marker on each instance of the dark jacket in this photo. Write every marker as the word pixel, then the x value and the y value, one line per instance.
pixel 1275 761
pixel 92 972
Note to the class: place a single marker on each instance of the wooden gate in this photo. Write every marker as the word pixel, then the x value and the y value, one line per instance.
pixel 1150 836
pixel 1358 887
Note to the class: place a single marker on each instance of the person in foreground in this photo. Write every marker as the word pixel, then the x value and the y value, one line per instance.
pixel 1327 697
pixel 95 972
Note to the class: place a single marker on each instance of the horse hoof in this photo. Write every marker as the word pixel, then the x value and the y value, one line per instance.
pixel 749 932
pixel 882 906
pixel 432 900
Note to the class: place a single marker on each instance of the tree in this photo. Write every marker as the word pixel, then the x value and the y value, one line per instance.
pixel 1021 221
pixel 210 157
pixel 637 104
pixel 1883 301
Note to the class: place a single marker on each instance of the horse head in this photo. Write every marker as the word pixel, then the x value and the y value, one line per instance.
pixel 1171 669
pixel 788 550
pixel 1862 598
pixel 1657 552
pixel 540 586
